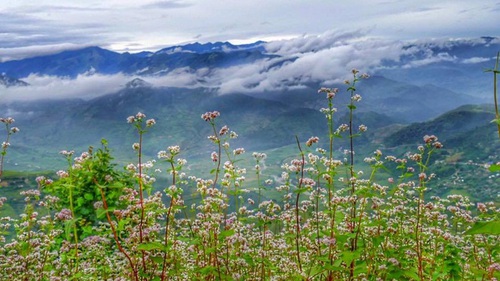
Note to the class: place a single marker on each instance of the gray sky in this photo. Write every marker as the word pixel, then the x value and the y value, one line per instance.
pixel 43 26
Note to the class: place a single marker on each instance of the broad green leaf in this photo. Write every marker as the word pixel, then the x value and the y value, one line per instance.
pixel 494 168
pixel 482 227
pixel 151 246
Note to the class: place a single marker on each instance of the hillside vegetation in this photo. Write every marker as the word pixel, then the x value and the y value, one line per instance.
pixel 337 208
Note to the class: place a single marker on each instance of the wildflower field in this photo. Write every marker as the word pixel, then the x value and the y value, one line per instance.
pixel 333 219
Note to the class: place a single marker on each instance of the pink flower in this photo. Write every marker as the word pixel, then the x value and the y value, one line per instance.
pixel 214 156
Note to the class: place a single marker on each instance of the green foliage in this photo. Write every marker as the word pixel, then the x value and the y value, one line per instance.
pixel 81 186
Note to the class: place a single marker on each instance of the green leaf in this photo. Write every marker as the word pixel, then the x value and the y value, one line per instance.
pixel 494 168
pixel 411 274
pixel 226 233
pixel 88 196
pixel 151 246
pixel 497 121
pixel 485 227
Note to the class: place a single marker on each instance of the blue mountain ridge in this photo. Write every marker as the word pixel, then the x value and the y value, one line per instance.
pixel 439 57
pixel 98 60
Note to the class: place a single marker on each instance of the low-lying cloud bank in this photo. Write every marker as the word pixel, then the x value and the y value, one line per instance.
pixel 325 59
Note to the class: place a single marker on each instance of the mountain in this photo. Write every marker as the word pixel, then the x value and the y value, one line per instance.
pixel 7 81
pixel 470 143
pixel 72 63
pixel 457 65
pixel 212 47
pixel 138 83
pixel 92 60
pixel 451 126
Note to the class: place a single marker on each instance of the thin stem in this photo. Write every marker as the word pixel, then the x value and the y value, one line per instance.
pixel 167 223
pixel 297 219
pixel 219 155
pixel 115 235
pixel 75 234
pixel 495 98
pixel 141 200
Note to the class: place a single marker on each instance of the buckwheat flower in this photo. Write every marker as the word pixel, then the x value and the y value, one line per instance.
pixel 136 146
pixel 233 135
pixel 64 215
pixel 130 119
pixel 162 154
pixel 362 128
pixel 393 261
pixel 139 116
pixel 429 139
pixel 40 179
pixel 98 205
pixel 321 150
pixel 259 156
pixel 14 130
pixel 356 98
pixel 422 176
pixel 494 267
pixel 174 149
pixel 108 178
pixel 214 156
pixel 62 174
pixel 365 76
pixel 5 144
pixel 312 140
pixel 482 207
pixel 209 116
pixel 150 122
pixel 329 241
pixel 8 120
pixel 131 167
pixel 343 128
pixel 437 145
pixel 269 181
pixel 223 130
pixel 238 151
pixel 66 153
pixel 250 201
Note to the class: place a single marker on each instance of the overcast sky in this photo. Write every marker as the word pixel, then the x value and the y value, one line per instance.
pixel 28 26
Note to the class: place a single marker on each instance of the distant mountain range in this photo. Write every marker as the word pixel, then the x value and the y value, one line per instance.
pixel 7 81
pixel 432 87
pixel 97 60
pixel 457 65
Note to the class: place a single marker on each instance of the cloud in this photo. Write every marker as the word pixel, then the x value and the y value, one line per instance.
pixel 475 60
pixel 51 87
pixel 167 4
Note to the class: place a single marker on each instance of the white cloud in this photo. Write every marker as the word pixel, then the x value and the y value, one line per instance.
pixel 475 60
pixel 51 87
